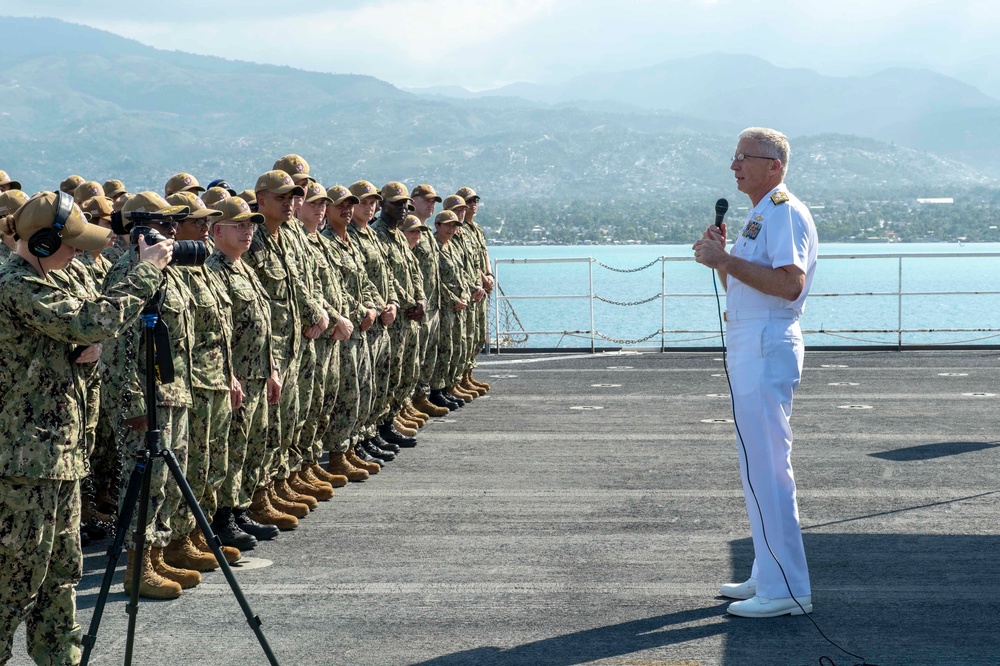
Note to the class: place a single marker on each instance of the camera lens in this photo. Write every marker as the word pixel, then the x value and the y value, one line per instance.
pixel 189 253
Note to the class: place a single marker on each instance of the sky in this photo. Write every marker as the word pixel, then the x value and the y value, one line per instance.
pixel 481 44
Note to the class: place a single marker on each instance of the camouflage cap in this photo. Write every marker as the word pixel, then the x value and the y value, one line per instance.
pixel 453 202
pixel 70 184
pixel 5 180
pixel 363 189
pixel 294 166
pixel 339 194
pixel 394 191
pixel 278 182
pixel 468 194
pixel 316 192
pixel 39 212
pixel 425 192
pixel 214 195
pixel 87 190
pixel 221 182
pixel 446 217
pixel 11 200
pixel 182 182
pixel 235 209
pixel 98 207
pixel 114 188
pixel 151 202
pixel 412 223
pixel 197 208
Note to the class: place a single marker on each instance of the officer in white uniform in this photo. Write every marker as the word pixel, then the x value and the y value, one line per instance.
pixel 767 276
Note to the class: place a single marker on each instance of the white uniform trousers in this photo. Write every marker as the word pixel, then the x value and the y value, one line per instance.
pixel 765 365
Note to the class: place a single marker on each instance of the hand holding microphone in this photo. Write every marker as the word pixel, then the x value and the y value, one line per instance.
pixel 710 250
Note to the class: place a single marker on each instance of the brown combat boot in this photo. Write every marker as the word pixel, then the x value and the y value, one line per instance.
pixel 477 382
pixel 460 392
pixel 301 482
pixel 151 584
pixel 352 457
pixel 186 578
pixel 183 554
pixel 264 512
pixel 340 466
pixel 231 554
pixel 403 429
pixel 335 480
pixel 285 491
pixel 467 384
pixel 296 509
pixel 422 404
pixel 415 414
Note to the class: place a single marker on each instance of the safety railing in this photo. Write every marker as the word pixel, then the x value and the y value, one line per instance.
pixel 679 318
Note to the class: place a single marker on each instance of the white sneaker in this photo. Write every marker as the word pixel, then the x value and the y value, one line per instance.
pixel 744 590
pixel 765 607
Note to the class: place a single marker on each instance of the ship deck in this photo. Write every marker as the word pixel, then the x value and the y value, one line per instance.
pixel 586 511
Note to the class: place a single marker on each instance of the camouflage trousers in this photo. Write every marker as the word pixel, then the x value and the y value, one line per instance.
pixel 42 562
pixel 470 346
pixel 409 374
pixel 282 423
pixel 381 347
pixel 451 337
pixel 209 420
pixel 346 406
pixel 430 328
pixel 309 375
pixel 106 460
pixel 366 388
pixel 326 384
pixel 247 446
pixel 164 493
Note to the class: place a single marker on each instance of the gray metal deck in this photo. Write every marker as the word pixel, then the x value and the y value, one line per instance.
pixel 525 531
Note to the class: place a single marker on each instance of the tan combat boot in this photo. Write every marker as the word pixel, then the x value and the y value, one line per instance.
pixel 478 382
pixel 415 414
pixel 264 512
pixel 470 387
pixel 403 429
pixel 287 492
pixel 422 404
pixel 458 391
pixel 183 554
pixel 353 458
pixel 335 480
pixel 151 584
pixel 231 554
pixel 296 509
pixel 339 465
pixel 186 578
pixel 302 484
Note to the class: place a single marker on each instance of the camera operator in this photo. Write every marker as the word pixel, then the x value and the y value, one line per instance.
pixel 41 421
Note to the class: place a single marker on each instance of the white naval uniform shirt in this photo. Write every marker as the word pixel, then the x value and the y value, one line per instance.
pixel 774 235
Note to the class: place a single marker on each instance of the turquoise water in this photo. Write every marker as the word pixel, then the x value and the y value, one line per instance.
pixel 689 310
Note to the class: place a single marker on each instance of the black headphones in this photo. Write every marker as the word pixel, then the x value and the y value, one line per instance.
pixel 45 242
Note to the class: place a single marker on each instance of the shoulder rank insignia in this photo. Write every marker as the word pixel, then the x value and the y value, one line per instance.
pixel 779 198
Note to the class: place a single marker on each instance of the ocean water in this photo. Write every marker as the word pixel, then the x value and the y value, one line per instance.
pixel 854 301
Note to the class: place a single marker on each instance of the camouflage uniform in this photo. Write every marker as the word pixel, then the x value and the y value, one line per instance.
pixel 211 380
pixel 253 363
pixel 41 466
pixel 429 257
pixel 476 240
pixel 454 287
pixel 127 383
pixel 4 252
pixel 372 252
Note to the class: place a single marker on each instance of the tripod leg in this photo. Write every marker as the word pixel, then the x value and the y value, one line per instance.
pixel 214 544
pixel 132 491
pixel 140 544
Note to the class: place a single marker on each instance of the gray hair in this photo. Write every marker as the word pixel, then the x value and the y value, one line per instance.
pixel 771 143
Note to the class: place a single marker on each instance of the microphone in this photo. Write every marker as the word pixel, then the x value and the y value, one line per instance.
pixel 721 206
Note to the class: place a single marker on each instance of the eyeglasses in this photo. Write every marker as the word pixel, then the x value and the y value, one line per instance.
pixel 198 221
pixel 739 157
pixel 240 226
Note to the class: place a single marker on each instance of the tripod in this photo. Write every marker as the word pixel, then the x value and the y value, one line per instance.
pixel 138 490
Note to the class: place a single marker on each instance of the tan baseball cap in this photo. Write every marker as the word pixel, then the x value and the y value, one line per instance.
pixel 453 202
pixel 316 192
pixel 98 207
pixel 87 190
pixel 39 212
pixel 394 191
pixel 249 196
pixel 425 192
pixel 11 200
pixel 197 208
pixel 235 209
pixel 5 180
pixel 151 202
pixel 363 189
pixel 339 194
pixel 70 184
pixel 446 217
pixel 182 182
pixel 114 188
pixel 213 195
pixel 468 194
pixel 278 182
pixel 412 223
pixel 122 200
pixel 294 166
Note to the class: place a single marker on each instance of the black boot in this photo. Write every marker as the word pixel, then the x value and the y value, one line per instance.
pixel 455 399
pixel 224 525
pixel 389 433
pixel 362 453
pixel 437 398
pixel 375 452
pixel 252 527
pixel 384 445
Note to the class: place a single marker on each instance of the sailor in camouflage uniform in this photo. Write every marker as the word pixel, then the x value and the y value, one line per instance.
pixel 41 421
pixel 455 298
pixel 10 201
pixel 480 256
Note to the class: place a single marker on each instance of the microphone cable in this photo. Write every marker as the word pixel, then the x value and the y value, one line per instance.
pixel 732 399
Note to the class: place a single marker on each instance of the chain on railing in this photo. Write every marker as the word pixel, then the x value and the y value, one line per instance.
pixel 628 342
pixel 626 270
pixel 512 337
pixel 628 303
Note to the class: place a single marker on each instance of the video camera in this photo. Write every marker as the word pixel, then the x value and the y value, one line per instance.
pixel 186 253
